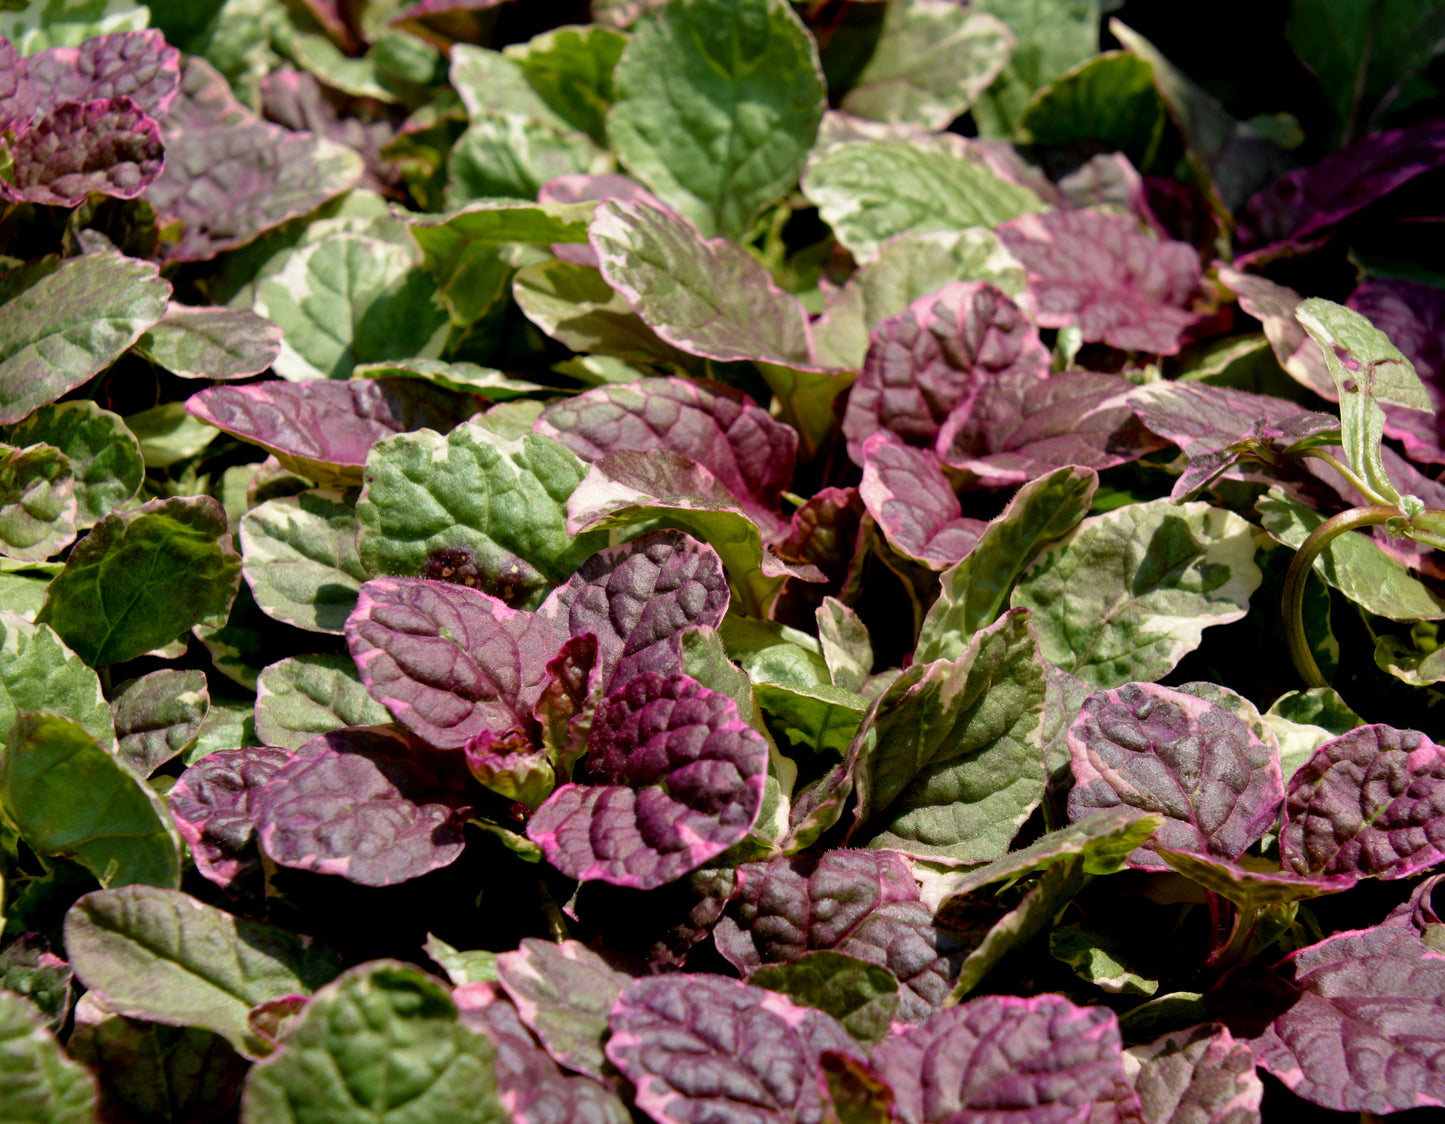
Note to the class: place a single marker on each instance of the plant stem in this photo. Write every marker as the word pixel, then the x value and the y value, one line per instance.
pixel 1293 600
pixel 1343 469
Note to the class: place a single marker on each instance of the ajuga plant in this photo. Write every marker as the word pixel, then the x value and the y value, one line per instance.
pixel 721 560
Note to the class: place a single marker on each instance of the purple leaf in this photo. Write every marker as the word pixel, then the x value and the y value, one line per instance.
pixel 1366 1026
pixel 703 1049
pixel 906 492
pixel 110 146
pixel 1418 914
pixel 324 428
pixel 214 804
pixel 448 661
pixel 1020 429
pixel 1202 1075
pixel 1302 208
pixel 581 187
pixel 297 100
pixel 367 803
pixel 128 64
pixel 1159 750
pixel 826 532
pixel 638 599
pixel 863 904
pixel 1097 272
pixel 1273 305
pixel 933 358
pixel 997 1058
pixel 1413 316
pixel 678 779
pixel 1371 802
pixel 720 428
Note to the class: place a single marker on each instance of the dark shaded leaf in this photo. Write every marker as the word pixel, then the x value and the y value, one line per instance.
pixel 214 804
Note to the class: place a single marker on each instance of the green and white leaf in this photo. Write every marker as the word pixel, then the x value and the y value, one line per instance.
pixel 39 26
pixel 159 716
pixel 463 377
pixel 37 502
pixel 105 457
pixel 570 69
pixel 300 558
pixel 847 647
pixel 211 343
pixel 302 697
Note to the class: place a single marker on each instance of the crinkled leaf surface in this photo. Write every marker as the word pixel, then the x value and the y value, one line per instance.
pixel 1183 568
pixel 473 507
pixel 37 502
pixel 1371 802
pixel 718 104
pixel 211 343
pixel 38 1082
pixel 158 716
pixel 912 501
pixel 298 555
pixel 761 1050
pixel 104 456
pixel 861 996
pixel 69 797
pixel 1203 1074
pixel 676 779
pixel 110 146
pixel 38 672
pixel 134 64
pixel 1159 750
pixel 142 577
pixel 302 696
pixel 66 320
pixel 213 803
pixel 382 1043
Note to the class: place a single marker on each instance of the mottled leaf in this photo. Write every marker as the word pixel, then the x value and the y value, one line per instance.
pixel 105 459
pixel 110 146
pixel 302 696
pixel 158 716
pixel 299 556
pixel 913 503
pixel 1202 1074
pixel 1249 889
pixel 211 343
pixel 1411 315
pixel 1053 35
pixel 37 502
pixel 38 1082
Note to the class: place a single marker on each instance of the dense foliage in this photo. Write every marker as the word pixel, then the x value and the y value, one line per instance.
pixel 720 560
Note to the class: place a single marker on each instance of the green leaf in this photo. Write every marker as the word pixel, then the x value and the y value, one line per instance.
pixel 846 645
pixel 1128 593
pixel 211 343
pixel 478 500
pixel 383 1044
pixel 38 1083
pixel 299 557
pixel 462 967
pixel 861 996
pixel 718 104
pixel 142 577
pixel 62 321
pixel 22 594
pixel 1368 369
pixel 67 796
pixel 303 696
pixel 974 591
pixel 229 724
pixel 347 299
pixel 167 434
pixel 772 652
pixel 69 23
pixel 932 60
pixel 1108 102
pixel 821 717
pixel 37 502
pixel 868 191
pixel 957 764
pixel 104 455
pixel 1409 661
pixel 465 378
pixel 1251 890
pixel 1353 564
pixel 1053 35
pixel 158 716
pixel 38 672
pixel 162 955
pixel 1097 957
pixel 570 68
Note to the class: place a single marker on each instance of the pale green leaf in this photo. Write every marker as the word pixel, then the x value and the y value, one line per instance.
pixel 38 672
pixel 167 434
pixel 211 343
pixel 301 697
pixel 299 557
pixel 38 1083
pixel 1052 35
pixel 1100 959
pixel 104 455
pixel 570 69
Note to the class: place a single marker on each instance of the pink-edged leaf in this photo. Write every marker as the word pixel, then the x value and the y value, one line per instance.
pixel 324 428
pixel 638 599
pixel 1366 1026
pixel 229 176
pixel 906 492
pixel 1418 914
pixel 1019 429
pixel 1203 1075
pixel 19 97
pixel 933 359
pixel 863 904
pixel 703 1049
pixel 677 778
pixel 750 453
pixel 827 533
pixel 109 146
pixel 449 661
pixel 1097 272
pixel 568 703
pixel 367 803
pixel 1413 316
pixel 213 803
pixel 578 188
pixel 563 992
pixel 1303 207
pixel 1273 305
pixel 1156 749
pixel 271 1020
pixel 130 64
pixel 1371 802
pixel 999 1058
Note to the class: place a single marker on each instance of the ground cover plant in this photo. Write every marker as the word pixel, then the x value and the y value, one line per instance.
pixel 721 560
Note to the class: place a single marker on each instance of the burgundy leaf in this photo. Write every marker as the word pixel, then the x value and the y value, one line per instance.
pixel 998 1058
pixel 1273 305
pixel 449 661
pixel 1367 1024
pixel 1418 914
pixel 826 532
pixel 367 803
pixel 1149 747
pixel 1203 1075
pixel 906 492
pixel 297 100
pixel 1413 316
pixel 214 804
pixel 1303 207
pixel 677 780
pixel 705 1049
pixel 933 358
pixel 110 146
pixel 638 599
pixel 130 64
pixel 751 454
pixel 579 188
pixel 1096 272
pixel 19 97
pixel 323 428
pixel 1371 802
pixel 1020 429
